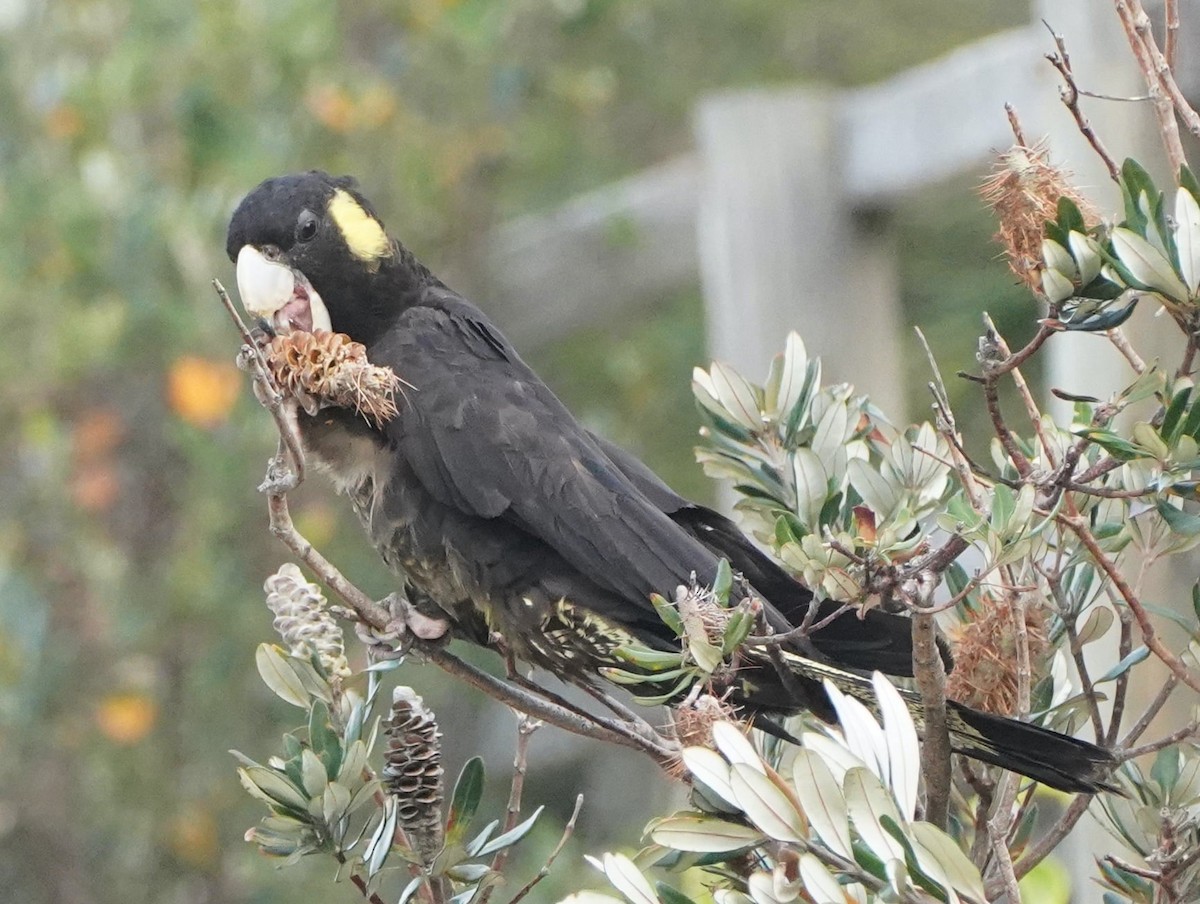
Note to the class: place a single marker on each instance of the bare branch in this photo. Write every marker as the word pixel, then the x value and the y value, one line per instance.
pixel 568 830
pixel 1069 94
pixel 1078 525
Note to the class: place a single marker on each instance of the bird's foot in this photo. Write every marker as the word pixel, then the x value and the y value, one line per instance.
pixel 407 624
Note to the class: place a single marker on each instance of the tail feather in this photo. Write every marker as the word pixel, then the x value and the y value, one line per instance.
pixel 1054 759
pixel 868 641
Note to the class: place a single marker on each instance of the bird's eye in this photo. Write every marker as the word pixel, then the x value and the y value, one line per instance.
pixel 306 228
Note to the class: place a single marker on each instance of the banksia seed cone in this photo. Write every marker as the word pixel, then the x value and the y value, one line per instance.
pixel 302 620
pixel 985 655
pixel 413 770
pixel 332 370
pixel 1023 191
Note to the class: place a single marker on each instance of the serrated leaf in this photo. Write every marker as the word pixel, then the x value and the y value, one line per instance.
pixel 821 798
pixel 512 836
pixel 703 834
pixel 1147 265
pixel 944 862
pixel 866 803
pixel 765 804
pixel 275 669
pixel 628 879
pixel 468 792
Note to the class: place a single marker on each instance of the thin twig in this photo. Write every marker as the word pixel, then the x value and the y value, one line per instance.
pixel 568 830
pixel 1078 525
pixel 1121 343
pixel 525 729
pixel 1069 94
pixel 1047 843
pixel 1180 734
pixel 1171 30
pixel 1054 582
pixel 1031 408
pixel 1121 693
pixel 1156 705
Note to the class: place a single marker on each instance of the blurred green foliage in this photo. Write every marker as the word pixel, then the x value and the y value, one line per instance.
pixel 132 545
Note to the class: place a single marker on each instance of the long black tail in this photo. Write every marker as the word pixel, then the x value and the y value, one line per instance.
pixel 1053 759
pixel 875 641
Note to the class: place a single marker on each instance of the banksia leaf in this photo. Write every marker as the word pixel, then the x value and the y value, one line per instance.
pixel 323 369
pixel 303 621
pixel 413 772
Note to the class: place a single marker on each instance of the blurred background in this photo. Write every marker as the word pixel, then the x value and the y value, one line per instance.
pixel 132 541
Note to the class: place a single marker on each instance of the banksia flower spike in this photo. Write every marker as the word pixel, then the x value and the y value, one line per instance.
pixel 302 620
pixel 1023 191
pixel 985 655
pixel 413 771
pixel 323 369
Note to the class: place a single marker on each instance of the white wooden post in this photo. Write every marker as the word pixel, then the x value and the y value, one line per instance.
pixel 781 248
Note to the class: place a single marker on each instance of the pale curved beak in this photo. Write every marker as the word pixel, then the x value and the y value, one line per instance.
pixel 278 295
pixel 265 286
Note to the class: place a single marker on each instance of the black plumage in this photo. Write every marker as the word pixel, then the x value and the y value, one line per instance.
pixel 500 512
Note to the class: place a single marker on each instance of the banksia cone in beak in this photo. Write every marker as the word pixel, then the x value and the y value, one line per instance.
pixel 985 655
pixel 1023 191
pixel 323 369
pixel 302 620
pixel 413 771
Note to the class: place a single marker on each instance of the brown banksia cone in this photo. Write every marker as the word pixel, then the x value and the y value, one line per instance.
pixel 303 621
pixel 985 655
pixel 413 773
pixel 1023 191
pixel 694 720
pixel 324 369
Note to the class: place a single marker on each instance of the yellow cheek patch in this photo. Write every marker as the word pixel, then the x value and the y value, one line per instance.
pixel 362 232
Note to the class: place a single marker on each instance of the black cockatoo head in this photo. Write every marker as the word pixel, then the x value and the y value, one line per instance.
pixel 312 254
